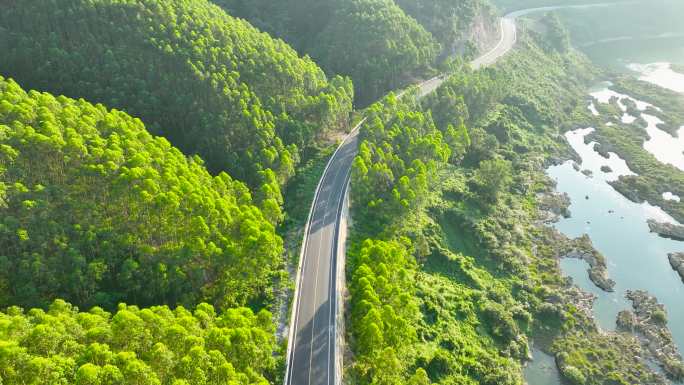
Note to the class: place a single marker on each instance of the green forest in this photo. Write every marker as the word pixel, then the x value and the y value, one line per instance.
pixel 159 158
pixel 152 346
pixel 211 84
pixel 380 44
pixel 96 210
pixel 450 275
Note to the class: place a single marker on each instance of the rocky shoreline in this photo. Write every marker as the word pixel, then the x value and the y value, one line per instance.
pixel 554 206
pixel 666 230
pixel 648 321
pixel 582 248
pixel 677 263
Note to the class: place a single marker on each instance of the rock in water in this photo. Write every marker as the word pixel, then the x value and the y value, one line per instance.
pixel 582 248
pixel 649 321
pixel 677 263
pixel 667 230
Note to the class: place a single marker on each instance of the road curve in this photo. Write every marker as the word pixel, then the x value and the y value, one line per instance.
pixel 312 353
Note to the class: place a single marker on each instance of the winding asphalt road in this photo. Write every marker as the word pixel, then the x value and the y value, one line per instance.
pixel 312 356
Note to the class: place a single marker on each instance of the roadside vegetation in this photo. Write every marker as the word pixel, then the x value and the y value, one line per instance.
pixel 450 282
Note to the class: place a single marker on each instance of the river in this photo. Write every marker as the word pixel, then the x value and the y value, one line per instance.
pixel 637 258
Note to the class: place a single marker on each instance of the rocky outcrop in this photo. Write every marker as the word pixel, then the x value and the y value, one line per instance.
pixel 606 169
pixel 581 300
pixel 554 206
pixel 582 248
pixel 576 166
pixel 649 322
pixel 667 230
pixel 677 263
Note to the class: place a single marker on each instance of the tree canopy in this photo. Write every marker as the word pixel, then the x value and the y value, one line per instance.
pixel 96 210
pixel 154 346
pixel 400 148
pixel 372 41
pixel 452 22
pixel 376 44
pixel 211 84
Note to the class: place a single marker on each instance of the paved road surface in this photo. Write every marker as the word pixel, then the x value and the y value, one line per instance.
pixel 312 356
pixel 311 353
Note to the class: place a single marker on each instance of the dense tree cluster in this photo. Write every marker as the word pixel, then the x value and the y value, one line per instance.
pixel 211 84
pixel 399 151
pixel 372 41
pixel 154 346
pixel 384 309
pixel 95 210
pixel 376 44
pixel 463 326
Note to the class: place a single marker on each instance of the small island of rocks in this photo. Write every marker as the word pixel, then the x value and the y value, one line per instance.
pixel 667 230
pixel 677 263
pixel 582 248
pixel 648 321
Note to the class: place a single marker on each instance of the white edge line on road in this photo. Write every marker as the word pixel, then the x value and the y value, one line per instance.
pixel 332 254
pixel 339 252
pixel 334 257
pixel 302 255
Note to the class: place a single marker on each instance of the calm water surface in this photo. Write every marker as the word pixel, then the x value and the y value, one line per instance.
pixel 542 370
pixel 637 259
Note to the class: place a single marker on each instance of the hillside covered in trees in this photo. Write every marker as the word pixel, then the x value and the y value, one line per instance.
pixel 95 210
pixel 154 346
pixel 141 214
pixel 451 271
pixel 380 44
pixel 211 84
pixel 461 27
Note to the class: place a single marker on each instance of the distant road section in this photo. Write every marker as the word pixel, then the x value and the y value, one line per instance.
pixel 506 43
pixel 509 35
pixel 313 356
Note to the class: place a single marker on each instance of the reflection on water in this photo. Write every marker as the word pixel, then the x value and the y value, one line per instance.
pixel 619 54
pixel 664 147
pixel 660 74
pixel 637 258
pixel 542 370
pixel 603 94
pixel 592 160
pixel 668 196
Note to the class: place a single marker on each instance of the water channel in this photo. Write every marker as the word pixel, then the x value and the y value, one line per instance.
pixel 637 258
